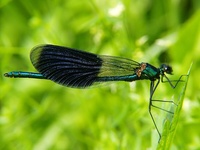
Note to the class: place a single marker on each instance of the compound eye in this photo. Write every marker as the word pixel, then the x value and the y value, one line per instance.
pixel 167 68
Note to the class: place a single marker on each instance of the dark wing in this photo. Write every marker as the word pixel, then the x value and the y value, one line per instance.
pixel 75 68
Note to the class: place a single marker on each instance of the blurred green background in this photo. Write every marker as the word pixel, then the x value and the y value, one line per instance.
pixel 39 114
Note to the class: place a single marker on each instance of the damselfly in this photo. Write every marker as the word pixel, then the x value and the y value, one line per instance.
pixel 78 69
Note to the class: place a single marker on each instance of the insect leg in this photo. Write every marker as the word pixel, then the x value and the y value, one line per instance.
pixel 152 90
pixel 170 81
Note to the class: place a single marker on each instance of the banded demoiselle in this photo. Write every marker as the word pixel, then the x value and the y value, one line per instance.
pixel 79 69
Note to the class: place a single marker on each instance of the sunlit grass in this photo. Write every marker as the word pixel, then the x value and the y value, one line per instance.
pixel 171 122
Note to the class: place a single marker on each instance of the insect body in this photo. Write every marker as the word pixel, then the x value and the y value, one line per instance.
pixel 79 69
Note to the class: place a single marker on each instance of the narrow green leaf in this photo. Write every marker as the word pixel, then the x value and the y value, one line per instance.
pixel 171 123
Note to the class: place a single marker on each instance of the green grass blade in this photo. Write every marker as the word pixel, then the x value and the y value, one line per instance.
pixel 170 125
